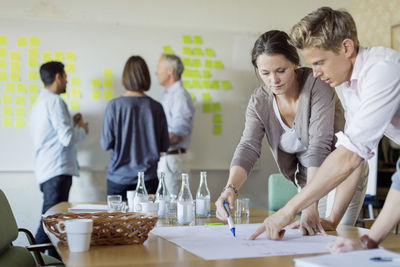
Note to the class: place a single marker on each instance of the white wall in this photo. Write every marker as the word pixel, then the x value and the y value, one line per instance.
pixel 254 16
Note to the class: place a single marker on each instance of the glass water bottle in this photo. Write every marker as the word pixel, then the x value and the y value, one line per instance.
pixel 203 197
pixel 141 192
pixel 162 196
pixel 185 210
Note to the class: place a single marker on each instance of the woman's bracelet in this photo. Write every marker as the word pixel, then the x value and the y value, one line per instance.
pixel 231 186
pixel 368 242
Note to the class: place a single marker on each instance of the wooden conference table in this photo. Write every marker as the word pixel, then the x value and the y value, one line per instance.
pixel 157 251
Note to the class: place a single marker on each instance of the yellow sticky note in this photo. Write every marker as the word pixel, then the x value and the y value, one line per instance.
pixel 187 39
pixel 187 73
pixel 69 68
pixel 7 111
pixel 218 64
pixel 33 62
pixel 76 93
pixel 74 105
pixel 208 63
pixel 96 83
pixel 96 94
pixel 217 129
pixel 225 85
pixel 33 88
pixel 206 97
pixel 22 42
pixel 206 108
pixel 186 62
pixel 197 51
pixel 107 73
pixel 33 52
pixel 3 52
pixel 59 55
pixel 10 88
pixel 108 83
pixel 196 84
pixel 167 49
pixel 7 100
pixel 195 73
pixel 70 56
pixel 46 57
pixel 15 66
pixel 76 81
pixel 215 84
pixel 205 84
pixel 33 76
pixel 186 51
pixel 15 55
pixel 3 76
pixel 6 122
pixel 192 96
pixel 209 52
pixel 108 94
pixel 3 40
pixel 34 41
pixel 21 88
pixel 15 76
pixel 217 118
pixel 64 95
pixel 32 99
pixel 3 64
pixel 187 84
pixel 206 74
pixel 19 123
pixel 197 39
pixel 216 107
pixel 20 112
pixel 196 62
pixel 20 100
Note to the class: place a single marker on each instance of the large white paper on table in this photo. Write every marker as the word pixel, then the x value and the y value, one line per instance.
pixel 217 242
pixel 365 258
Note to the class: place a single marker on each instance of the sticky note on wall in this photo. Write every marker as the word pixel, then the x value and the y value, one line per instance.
pixel 3 64
pixel 3 52
pixel 15 55
pixel 19 123
pixel 206 97
pixel 96 83
pixel 34 41
pixel 46 56
pixel 21 88
pixel 206 108
pixel 32 99
pixel 3 40
pixel 209 52
pixel 187 84
pixel 7 111
pixel 187 51
pixel 69 68
pixel 197 39
pixel 20 100
pixel 33 88
pixel 196 84
pixel 33 76
pixel 20 112
pixel 33 52
pixel 108 83
pixel 167 49
pixel 96 94
pixel 108 94
pixel 59 55
pixel 218 64
pixel 75 81
pixel 15 76
pixel 197 51
pixel 7 99
pixel 217 118
pixel 6 121
pixel 217 129
pixel 225 85
pixel 74 105
pixel 22 42
pixel 3 76
pixel 187 39
pixel 70 56
pixel 75 93
pixel 107 73
pixel 216 107
pixel 9 88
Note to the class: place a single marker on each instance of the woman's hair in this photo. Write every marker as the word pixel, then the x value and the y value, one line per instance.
pixel 136 76
pixel 273 43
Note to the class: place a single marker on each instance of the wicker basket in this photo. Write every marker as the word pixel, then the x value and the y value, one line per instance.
pixel 109 228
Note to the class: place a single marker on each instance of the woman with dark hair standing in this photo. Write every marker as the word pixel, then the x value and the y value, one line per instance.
pixel 299 115
pixel 135 130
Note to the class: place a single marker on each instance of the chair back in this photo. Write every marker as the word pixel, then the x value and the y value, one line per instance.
pixel 280 191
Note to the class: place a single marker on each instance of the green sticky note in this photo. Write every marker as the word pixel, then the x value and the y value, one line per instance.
pixel 208 63
pixel 196 62
pixel 3 64
pixel 197 39
pixel 22 42
pixel 19 123
pixel 15 66
pixel 74 105
pixel 215 84
pixel 33 88
pixel 3 76
pixel 3 40
pixel 34 41
pixel 225 85
pixel 205 84
pixel 70 56
pixel 76 93
pixel 192 96
pixel 59 55
pixel 96 94
pixel 197 51
pixel 7 99
pixel 3 52
pixel 187 73
pixel 209 52
pixel 187 84
pixel 21 88
pixel 167 49
pixel 33 52
pixel 75 81
pixel 206 74
pixel 33 62
pixel 217 129
pixel 218 64
pixel 20 100
pixel 69 68
pixel 108 94
pixel 15 76
pixel 96 83
pixel 6 122
pixel 187 39
pixel 107 73
pixel 195 73
pixel 186 51
pixel 206 97
pixel 196 84
pixel 216 107
pixel 206 108
pixel 217 118
pixel 186 61
pixel 7 111
pixel 15 55
pixel 46 57
pixel 33 76
pixel 32 99
pixel 10 88
pixel 108 83
pixel 20 112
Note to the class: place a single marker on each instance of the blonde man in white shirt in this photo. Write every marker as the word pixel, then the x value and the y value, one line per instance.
pixel 368 84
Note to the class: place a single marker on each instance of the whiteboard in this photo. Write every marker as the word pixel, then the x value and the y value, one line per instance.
pixel 105 46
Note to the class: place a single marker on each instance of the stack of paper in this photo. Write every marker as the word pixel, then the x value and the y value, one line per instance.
pixel 88 208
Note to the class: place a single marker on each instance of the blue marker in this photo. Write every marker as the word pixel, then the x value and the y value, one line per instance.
pixel 384 259
pixel 230 220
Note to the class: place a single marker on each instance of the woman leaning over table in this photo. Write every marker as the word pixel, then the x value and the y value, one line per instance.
pixel 299 115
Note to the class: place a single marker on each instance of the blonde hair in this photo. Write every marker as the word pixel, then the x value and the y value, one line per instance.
pixel 326 29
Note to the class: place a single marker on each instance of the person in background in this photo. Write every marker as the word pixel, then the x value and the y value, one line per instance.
pixel 367 81
pixel 299 115
pixel 55 135
pixel 179 109
pixel 135 130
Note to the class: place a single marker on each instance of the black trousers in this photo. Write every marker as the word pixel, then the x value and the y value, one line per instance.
pixel 55 190
pixel 120 189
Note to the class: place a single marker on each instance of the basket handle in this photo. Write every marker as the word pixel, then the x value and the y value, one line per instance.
pixel 59 225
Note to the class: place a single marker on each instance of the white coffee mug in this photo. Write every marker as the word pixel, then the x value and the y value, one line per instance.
pixel 147 207
pixel 78 232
